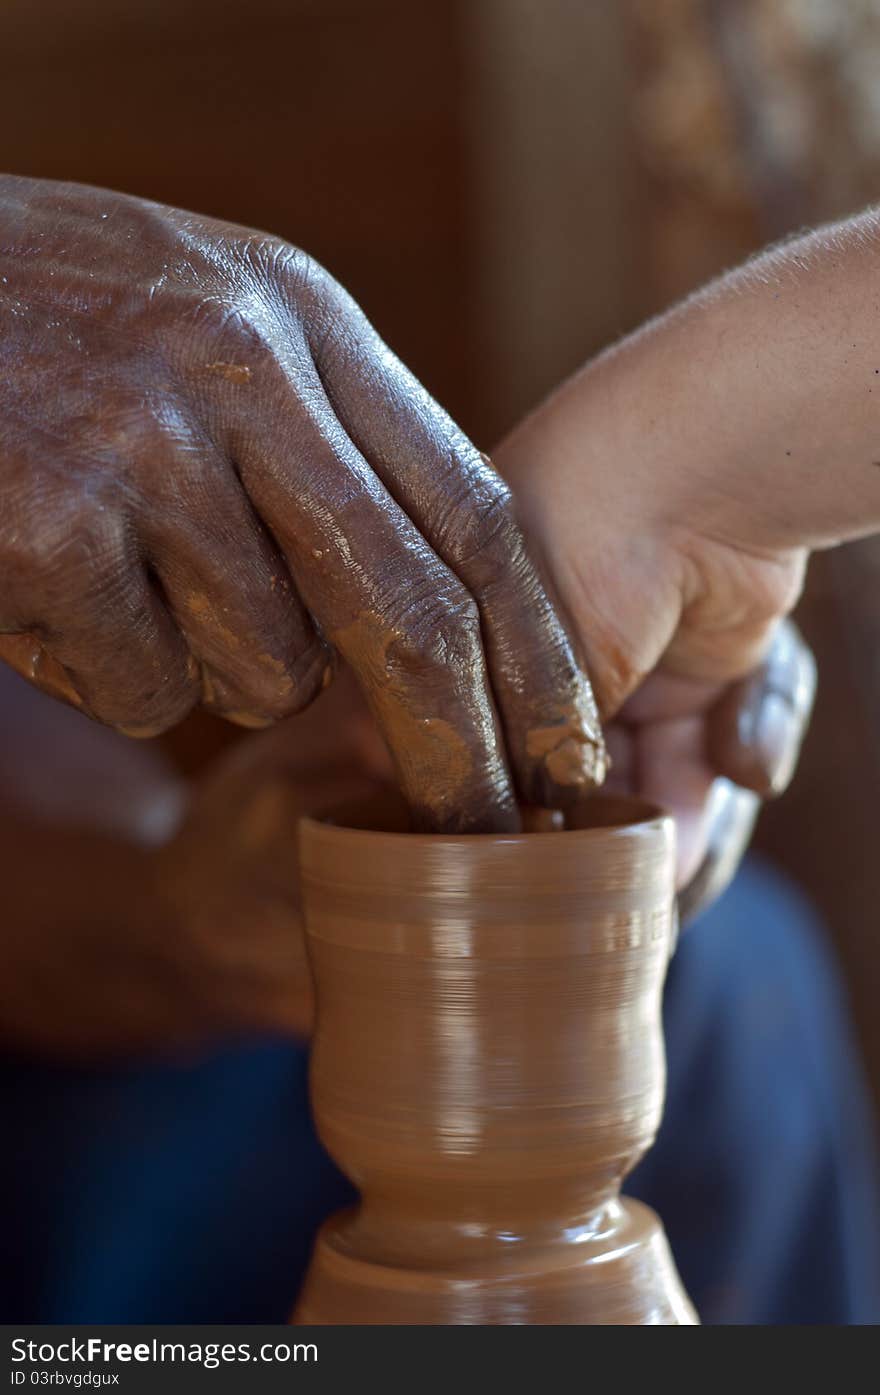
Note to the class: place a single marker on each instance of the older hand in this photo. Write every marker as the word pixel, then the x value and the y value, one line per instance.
pixel 214 476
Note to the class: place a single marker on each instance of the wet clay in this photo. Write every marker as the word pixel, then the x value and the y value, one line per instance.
pixel 488 1066
pixel 224 410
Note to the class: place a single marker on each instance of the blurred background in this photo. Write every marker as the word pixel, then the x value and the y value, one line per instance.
pixel 507 185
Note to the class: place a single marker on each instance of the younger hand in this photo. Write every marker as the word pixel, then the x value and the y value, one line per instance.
pixel 703 685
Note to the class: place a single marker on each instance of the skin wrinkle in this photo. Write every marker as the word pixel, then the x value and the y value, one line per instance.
pixel 473 528
pixel 430 752
pixel 238 466
pixel 216 693
pixel 343 525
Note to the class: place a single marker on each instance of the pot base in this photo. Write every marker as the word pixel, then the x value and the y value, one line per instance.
pixel 624 1275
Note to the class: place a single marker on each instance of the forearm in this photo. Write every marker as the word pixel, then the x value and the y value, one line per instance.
pixel 752 411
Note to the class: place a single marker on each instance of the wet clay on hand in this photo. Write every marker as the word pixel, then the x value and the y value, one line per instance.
pixel 488 1066
pixel 216 479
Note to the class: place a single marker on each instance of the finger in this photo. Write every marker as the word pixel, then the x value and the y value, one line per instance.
pixel 388 605
pixel 714 818
pixel 232 596
pixel 27 654
pixel 755 731
pixel 671 770
pixel 730 816
pixel 91 629
pixel 465 512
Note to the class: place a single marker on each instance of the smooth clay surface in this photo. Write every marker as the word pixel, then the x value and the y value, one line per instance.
pixel 487 1067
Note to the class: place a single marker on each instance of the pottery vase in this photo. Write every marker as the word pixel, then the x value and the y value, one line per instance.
pixel 488 1066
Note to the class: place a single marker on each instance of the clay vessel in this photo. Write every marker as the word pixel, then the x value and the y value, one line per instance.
pixel 488 1066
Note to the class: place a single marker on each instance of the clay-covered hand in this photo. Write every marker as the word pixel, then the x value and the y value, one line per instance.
pixel 214 476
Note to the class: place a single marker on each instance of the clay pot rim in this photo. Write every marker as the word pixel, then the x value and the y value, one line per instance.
pixel 642 818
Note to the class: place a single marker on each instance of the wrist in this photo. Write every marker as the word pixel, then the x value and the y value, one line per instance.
pixel 629 478
pixel 583 470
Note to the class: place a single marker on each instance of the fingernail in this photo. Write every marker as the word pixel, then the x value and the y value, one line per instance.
pixel 774 740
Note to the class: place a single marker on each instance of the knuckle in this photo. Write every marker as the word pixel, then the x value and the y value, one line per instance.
pixel 290 285
pixel 335 326
pixel 154 705
pixel 306 677
pixel 485 526
pixel 245 329
pixel 269 691
pixel 227 325
pixel 439 631
pixel 274 264
pixel 72 560
pixel 23 554
pixel 316 288
pixel 93 560
pixel 461 620
pixel 330 337
pixel 69 554
pixel 126 425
